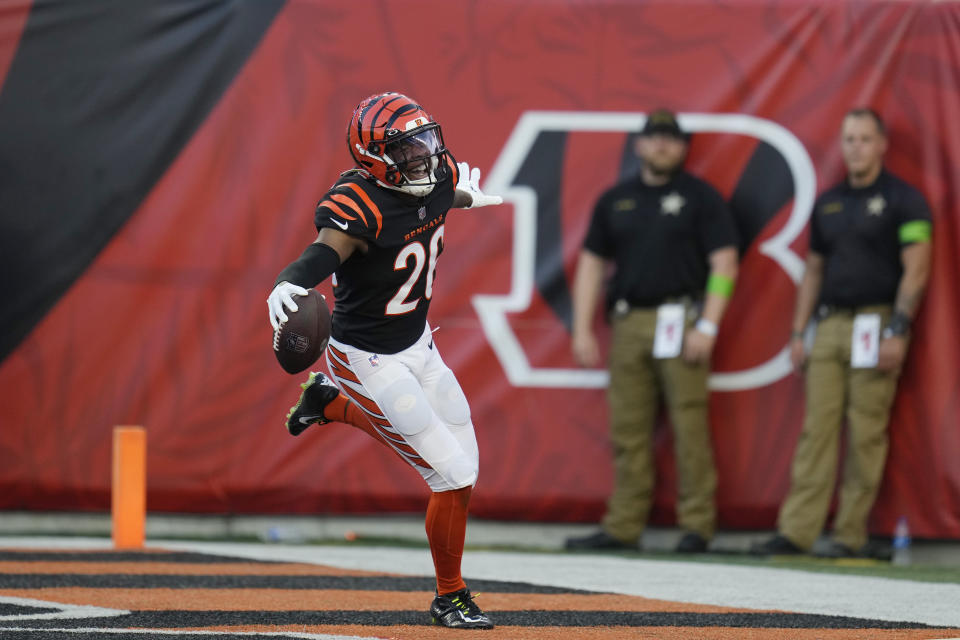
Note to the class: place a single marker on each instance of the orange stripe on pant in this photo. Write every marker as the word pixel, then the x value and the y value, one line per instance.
pixel 371 423
pixel 340 371
pixel 372 408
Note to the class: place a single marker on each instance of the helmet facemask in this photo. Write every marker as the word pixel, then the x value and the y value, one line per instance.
pixel 415 159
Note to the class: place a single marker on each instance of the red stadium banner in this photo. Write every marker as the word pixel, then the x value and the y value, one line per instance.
pixel 155 185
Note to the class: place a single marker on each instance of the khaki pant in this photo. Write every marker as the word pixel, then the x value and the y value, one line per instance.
pixel 836 391
pixel 636 381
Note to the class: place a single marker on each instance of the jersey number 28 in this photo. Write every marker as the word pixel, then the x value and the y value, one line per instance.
pixel 399 304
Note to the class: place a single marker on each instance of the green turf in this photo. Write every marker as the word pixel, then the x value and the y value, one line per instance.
pixel 849 566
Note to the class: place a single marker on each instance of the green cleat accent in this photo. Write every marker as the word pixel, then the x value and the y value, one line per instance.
pixel 458 610
pixel 318 392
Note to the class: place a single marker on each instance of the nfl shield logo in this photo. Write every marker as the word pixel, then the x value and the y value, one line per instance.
pixel 374 360
pixel 422 213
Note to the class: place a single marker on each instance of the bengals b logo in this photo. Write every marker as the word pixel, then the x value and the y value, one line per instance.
pixel 553 166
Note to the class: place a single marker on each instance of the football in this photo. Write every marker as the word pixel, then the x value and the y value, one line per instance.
pixel 300 341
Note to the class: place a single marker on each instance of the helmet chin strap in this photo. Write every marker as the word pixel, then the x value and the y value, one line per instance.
pixel 418 190
pixel 411 188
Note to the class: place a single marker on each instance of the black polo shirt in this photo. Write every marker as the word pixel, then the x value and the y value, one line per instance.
pixel 860 233
pixel 659 237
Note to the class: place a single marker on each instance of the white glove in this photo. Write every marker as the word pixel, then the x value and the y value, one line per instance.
pixel 470 183
pixel 280 297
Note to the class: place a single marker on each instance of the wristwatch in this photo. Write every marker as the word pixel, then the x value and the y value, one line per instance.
pixel 899 325
pixel 706 327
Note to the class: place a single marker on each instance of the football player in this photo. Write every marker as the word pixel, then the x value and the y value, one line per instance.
pixel 380 235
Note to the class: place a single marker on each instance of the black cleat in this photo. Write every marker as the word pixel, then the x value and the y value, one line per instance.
pixel 834 549
pixel 778 545
pixel 692 542
pixel 877 550
pixel 599 541
pixel 318 392
pixel 458 610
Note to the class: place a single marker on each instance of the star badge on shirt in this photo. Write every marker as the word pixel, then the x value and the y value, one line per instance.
pixel 876 205
pixel 672 203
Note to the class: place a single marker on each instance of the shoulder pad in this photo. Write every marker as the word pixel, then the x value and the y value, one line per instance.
pixel 348 207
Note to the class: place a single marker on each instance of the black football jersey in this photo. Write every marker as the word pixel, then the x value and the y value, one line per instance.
pixel 383 294
pixel 659 237
pixel 860 234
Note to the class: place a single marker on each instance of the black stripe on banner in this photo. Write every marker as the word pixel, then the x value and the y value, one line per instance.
pixel 155 581
pixel 539 171
pixel 175 619
pixel 101 97
pixel 765 186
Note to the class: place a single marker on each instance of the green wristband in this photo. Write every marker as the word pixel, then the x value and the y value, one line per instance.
pixel 720 285
pixel 915 231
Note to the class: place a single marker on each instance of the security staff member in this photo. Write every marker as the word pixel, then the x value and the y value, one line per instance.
pixel 671 240
pixel 868 266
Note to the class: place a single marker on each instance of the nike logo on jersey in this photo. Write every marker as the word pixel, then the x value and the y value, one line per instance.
pixel 342 225
pixel 430 346
pixel 310 419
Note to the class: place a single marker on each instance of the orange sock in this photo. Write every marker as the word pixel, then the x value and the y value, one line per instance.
pixel 446 530
pixel 342 409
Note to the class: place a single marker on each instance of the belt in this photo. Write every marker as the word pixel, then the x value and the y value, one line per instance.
pixel 825 310
pixel 623 305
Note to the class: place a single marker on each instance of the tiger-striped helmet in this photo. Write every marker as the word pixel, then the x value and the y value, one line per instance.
pixel 391 137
